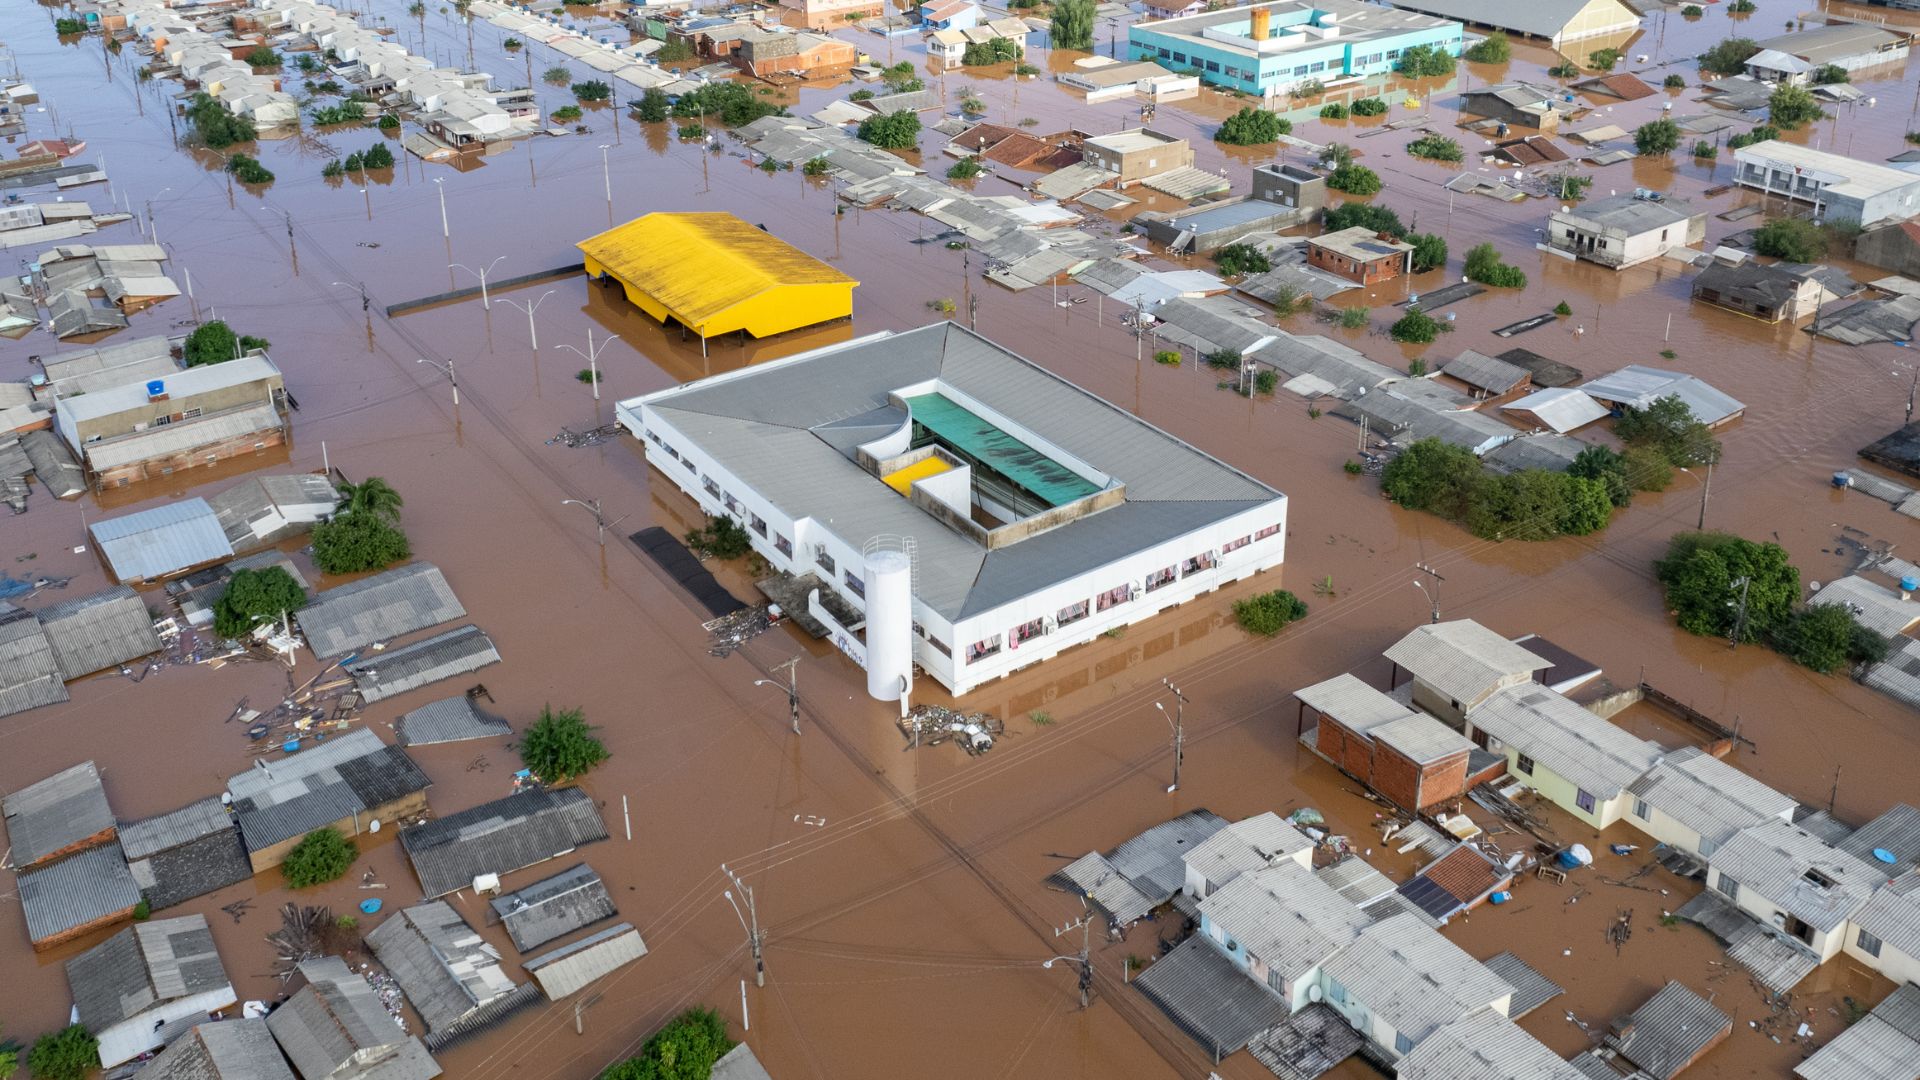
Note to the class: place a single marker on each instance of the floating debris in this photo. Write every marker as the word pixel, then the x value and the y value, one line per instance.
pixel 730 632
pixel 931 725
pixel 593 437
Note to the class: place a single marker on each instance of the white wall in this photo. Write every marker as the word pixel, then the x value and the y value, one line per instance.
pixel 1827 945
pixel 1891 962
pixel 131 1038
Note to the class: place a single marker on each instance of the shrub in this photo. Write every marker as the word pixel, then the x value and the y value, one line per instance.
pixel 1024 68
pixel 321 856
pixel 1353 468
pixel 248 170
pixel 1656 137
pixel 1792 239
pixel 1269 613
pixel 1417 327
pixel 964 169
pixel 1668 427
pixel 1425 61
pixel 1729 57
pixel 1603 59
pixel 1609 468
pixel 1353 318
pixel 722 538
pixel 1822 637
pixel 557 75
pixel 732 102
pixel 1369 107
pixel 1705 149
pixel 1333 110
pixel 892 131
pixel 1265 381
pixel 1692 11
pixel 263 58
pixel 1222 359
pixel 343 113
pixel 333 168
pixel 1492 49
pixel 1697 575
pixel 1485 267
pixel 1429 251
pixel 64 26
pixel 1252 127
pixel 944 306
pixel 683 1050
pixel 1378 218
pixel 675 51
pixel 215 343
pixel 68 1054
pixel 1237 259
pixel 1310 88
pixel 1563 309
pixel 992 51
pixel 218 128
pixel 351 543
pixel 512 44
pixel 1435 148
pixel 254 597
pixel 1354 180
pixel 1674 82
pixel 1790 106
pixel 592 90
pixel 560 746
pixel 1073 24
pixel 1761 133
pixel 1565 69
pixel 585 375
pixel 1913 137
pixel 377 156
pixel 142 911
pixel 1741 7
pixel 567 114
pixel 389 122
pixel 652 107
pixel 1167 357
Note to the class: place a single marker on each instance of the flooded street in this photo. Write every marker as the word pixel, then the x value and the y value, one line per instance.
pixel 904 891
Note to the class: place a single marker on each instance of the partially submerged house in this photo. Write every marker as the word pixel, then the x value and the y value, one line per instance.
pixel 453 719
pixel 1849 46
pixel 554 907
pixel 1484 1045
pixel 225 1050
pixel 100 631
pixel 58 816
pixel 575 966
pixel 184 853
pixel 1572 757
pixel 29 674
pixel 1886 932
pixel 1135 154
pixel 335 1028
pixel 1249 844
pixel 1839 187
pixel 1560 409
pixel 1637 386
pixel 1486 378
pixel 1695 802
pixel 264 510
pixel 1457 665
pixel 1770 292
pixel 1361 255
pixel 450 974
pixel 1557 22
pixel 1129 881
pixel 1279 924
pixel 157 427
pixel 496 838
pixel 1400 981
pixel 148 983
pixel 1533 106
pixel 1883 1045
pixel 65 898
pixel 1625 230
pixel 1791 880
pixel 348 783
pixel 1455 883
pixel 443 656
pixel 381 607
pixel 1675 1028
pixel 1408 757
pixel 173 538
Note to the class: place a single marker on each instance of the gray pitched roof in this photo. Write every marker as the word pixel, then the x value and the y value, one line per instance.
pixel 443 656
pixel 1154 860
pixel 1208 997
pixel 1539 18
pixel 148 964
pixel 554 907
pixel 1286 916
pixel 337 1019
pixel 75 891
pixel 1561 408
pixel 1673 1028
pixel 345 775
pixel 570 968
pixel 1411 977
pixel 1896 830
pixel 1246 845
pixel 264 509
pixel 157 542
pixel 1483 1045
pixel 1585 749
pixel 228 1050
pixel 149 836
pixel 29 675
pixel 1483 372
pixel 51 816
pixel 101 631
pixel 1351 703
pixel 185 853
pixel 500 837
pixel 1640 386
pixel 447 720
pixel 1885 1045
pixel 1631 215
pixel 377 608
pixel 1461 659
pixel 1893 914
pixel 446 970
pixel 1708 795
pixel 1779 862
pixel 739 1064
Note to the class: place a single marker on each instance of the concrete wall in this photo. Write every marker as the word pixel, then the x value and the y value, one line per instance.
pixel 1889 247
pixel 1891 962
pixel 390 814
pixel 175 408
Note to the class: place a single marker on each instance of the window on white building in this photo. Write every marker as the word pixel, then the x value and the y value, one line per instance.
pixel 1728 887
pixel 943 647
pixel 713 489
pixel 1868 943
pixel 856 584
pixel 1402 1044
pixel 783 545
pixel 980 650
pixel 823 560
pixel 759 525
pixel 1032 628
pixel 1113 597
pixel 1073 613
pixel 1162 577
pixel 1641 810
pixel 1235 545
pixel 1584 799
pixel 1195 565
pixel 1271 530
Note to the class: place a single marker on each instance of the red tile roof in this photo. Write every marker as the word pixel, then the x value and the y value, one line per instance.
pixel 1466 874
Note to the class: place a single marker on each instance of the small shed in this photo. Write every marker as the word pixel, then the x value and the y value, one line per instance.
pixel 1674 1029
pixel 68 897
pixel 381 607
pixel 101 631
pixel 1360 255
pixel 1559 410
pixel 449 973
pixel 264 510
pixel 134 990
pixel 166 540
pixel 185 853
pixel 572 968
pixel 1411 759
pixel 554 907
pixel 335 1028
pixel 1486 377
pixel 1456 882
pixel 443 656
pixel 501 836
pixel 226 1050
pixel 453 719
pixel 65 813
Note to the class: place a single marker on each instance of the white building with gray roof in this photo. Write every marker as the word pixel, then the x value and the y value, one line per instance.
pixel 146 984
pixel 335 1028
pixel 1247 845
pixel 1400 981
pixel 1792 881
pixel 1695 802
pixel 982 513
pixel 1574 758
pixel 1883 1045
pixel 1279 924
pixel 1624 230
pixel 1886 932
pixel 1483 1045
pixel 1458 664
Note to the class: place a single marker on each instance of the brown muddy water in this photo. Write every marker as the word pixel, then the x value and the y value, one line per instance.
pixel 903 891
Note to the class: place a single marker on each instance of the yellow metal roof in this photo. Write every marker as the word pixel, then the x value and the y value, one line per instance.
pixel 700 264
pixel 902 480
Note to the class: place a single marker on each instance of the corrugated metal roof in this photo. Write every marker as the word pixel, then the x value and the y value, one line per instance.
pixel 264 509
pixel 1355 705
pixel 1284 916
pixel 229 1050
pixel 500 837
pixel 1483 372
pixel 150 836
pixel 49 816
pixel 1208 997
pixel 1871 1049
pixel 1672 1029
pixel 554 907
pixel 1461 659
pixel 447 720
pixel 1422 739
pixel 160 541
pixel 318 786
pixel 101 631
pixel 1827 44
pixel 1356 879
pixel 1244 846
pixel 79 889
pixel 1893 914
pixel 1538 18
pixel 442 656
pixel 337 1017
pixel 147 964
pixel 1560 408
pixel 182 437
pixel 570 968
pixel 1155 860
pixel 1530 988
pixel 1599 757
pixel 29 675
pixel 1779 862
pixel 377 608
pixel 185 384
pixel 1640 386
pixel 1708 795
pixel 1630 215
pixel 739 1064
pixel 1483 1045
pixel 698 265
pixel 1874 606
pixel 446 970
pixel 1896 830
pixel 1107 888
pixel 1402 970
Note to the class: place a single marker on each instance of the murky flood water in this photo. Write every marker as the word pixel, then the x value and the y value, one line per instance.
pixel 903 891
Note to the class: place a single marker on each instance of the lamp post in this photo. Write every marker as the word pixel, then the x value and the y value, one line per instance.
pixel 532 335
pixel 439 185
pixel 447 370
pixel 791 688
pixel 600 522
pixel 153 230
pixel 1178 723
pixel 1086 972
pixel 485 301
pixel 606 177
pixel 359 286
pixel 592 356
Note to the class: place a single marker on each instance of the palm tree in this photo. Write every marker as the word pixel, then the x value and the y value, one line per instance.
pixel 373 496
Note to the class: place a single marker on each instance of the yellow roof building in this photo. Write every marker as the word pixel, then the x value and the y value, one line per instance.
pixel 714 273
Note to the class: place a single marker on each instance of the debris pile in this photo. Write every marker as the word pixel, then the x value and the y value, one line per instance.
pixel 931 725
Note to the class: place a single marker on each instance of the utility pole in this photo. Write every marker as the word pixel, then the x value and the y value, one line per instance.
pixel 601 524
pixel 532 334
pixel 1086 968
pixel 485 300
pixel 1911 390
pixel 749 921
pixel 446 369
pixel 440 185
pixel 1706 492
pixel 791 686
pixel 592 357
pixel 1433 597
pixel 1740 617
pixel 1178 721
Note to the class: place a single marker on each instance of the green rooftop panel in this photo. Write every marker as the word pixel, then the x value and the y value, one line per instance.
pixel 1047 479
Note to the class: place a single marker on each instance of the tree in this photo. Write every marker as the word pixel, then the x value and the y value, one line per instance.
pixel 566 114
pixel 1828 74
pixel 1371 216
pixel 675 51
pixel 1368 107
pixel 1354 180
pixel 1758 134
pixel 1435 148
pixel 1822 637
pixel 1269 613
pixel 66 27
pixel 1698 575
pixel 1485 267
pixel 1729 57
pixel 560 746
pixel 513 44
pixel 68 1054
pixel 372 496
pixel 683 1050
pixel 1792 239
pixel 1336 154
pixel 351 543
pixel 892 131
pixel 1692 11
pixel 1589 505
pixel 652 106
pixel 1252 127
pixel 262 58
pixel 321 856
pixel 592 90
pixel 1604 59
pixel 1237 259
pixel 1656 137
pixel 1790 106
pixel 1646 468
pixel 248 170
pixel 992 51
pixel 1333 110
pixel 1492 49
pixel 1417 327
pixel 376 156
pixel 1073 24
pixel 1668 426
pixel 218 128
pixel 1429 251
pixel 254 597
pixel 1565 69
pixel 1603 464
pixel 1675 81
pixel 901 78
pixel 389 122
pixel 732 102
pixel 964 169
pixel 1425 61
pixel 215 343
pixel 1432 475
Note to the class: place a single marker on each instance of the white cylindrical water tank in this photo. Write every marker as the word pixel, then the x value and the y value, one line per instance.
pixel 889 624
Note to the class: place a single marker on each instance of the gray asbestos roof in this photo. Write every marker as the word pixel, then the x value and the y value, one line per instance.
pixel 570 968
pixel 196 380
pixel 1461 659
pixel 264 509
pixel 1897 830
pixel 105 630
pixel 554 907
pixel 1673 1028
pixel 443 656
pixel 1484 372
pixel 1628 214
pixel 1774 861
pixel 1601 758
pixel 1708 795
pixel 1154 860
pixel 1640 386
pixel 150 836
pixel 1874 606
pixel 148 964
pixel 1356 879
pixel 760 426
pixel 1208 997
pixel 1539 18
pixel 337 1018
pixel 1402 970
pixel 228 1050
pixel 54 815
pixel 446 969
pixel 1422 739
pixel 1353 704
pixel 1483 1045
pixel 500 837
pixel 386 605
pixel 345 775
pixel 157 542
pixel 1285 916
pixel 29 675
pixel 447 720
pixel 1560 408
pixel 1245 846
pixel 1827 44
pixel 72 892
pixel 1885 1045
pixel 1893 915
pixel 183 437
pixel 739 1064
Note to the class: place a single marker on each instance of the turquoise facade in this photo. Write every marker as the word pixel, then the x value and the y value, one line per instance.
pixel 1178 44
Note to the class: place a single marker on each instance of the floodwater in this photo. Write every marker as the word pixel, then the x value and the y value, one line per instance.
pixel 903 891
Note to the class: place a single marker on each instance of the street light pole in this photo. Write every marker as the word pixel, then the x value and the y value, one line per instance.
pixel 485 301
pixel 439 184
pixel 592 356
pixel 532 334
pixel 362 287
pixel 446 369
pixel 606 176
pixel 1433 598
pixel 791 687
pixel 749 921
pixel 1178 721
